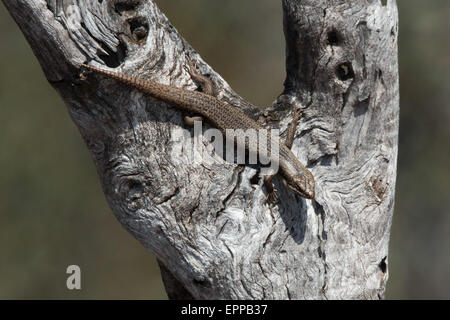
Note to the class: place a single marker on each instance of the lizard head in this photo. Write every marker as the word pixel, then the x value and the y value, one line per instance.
pixel 296 176
pixel 301 184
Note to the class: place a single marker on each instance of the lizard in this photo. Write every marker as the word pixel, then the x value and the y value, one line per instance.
pixel 223 116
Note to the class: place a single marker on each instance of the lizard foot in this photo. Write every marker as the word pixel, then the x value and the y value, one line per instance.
pixel 272 197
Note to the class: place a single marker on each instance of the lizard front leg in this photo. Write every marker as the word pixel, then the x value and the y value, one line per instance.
pixel 268 183
pixel 292 128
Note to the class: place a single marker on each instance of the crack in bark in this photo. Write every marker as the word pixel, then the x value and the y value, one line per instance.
pixel 322 238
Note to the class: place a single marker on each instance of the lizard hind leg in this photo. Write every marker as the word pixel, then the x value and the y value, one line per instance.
pixel 189 121
pixel 205 83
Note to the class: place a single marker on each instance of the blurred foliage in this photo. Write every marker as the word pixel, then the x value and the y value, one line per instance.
pixel 52 209
pixel 420 242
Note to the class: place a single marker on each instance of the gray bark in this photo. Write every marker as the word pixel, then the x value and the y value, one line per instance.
pixel 209 224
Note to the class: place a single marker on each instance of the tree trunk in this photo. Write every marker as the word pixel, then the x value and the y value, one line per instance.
pixel 209 224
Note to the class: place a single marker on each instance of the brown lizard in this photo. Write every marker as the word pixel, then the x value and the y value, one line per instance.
pixel 224 116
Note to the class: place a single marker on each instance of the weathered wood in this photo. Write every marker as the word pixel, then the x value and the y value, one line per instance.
pixel 208 223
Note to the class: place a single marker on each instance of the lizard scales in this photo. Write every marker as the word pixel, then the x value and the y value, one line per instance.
pixel 223 116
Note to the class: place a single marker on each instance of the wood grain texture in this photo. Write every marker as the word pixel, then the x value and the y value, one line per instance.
pixel 209 224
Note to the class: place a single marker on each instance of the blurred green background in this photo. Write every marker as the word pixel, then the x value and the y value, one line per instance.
pixel 52 209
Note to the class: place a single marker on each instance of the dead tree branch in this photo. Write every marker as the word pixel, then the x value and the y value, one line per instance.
pixel 209 224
